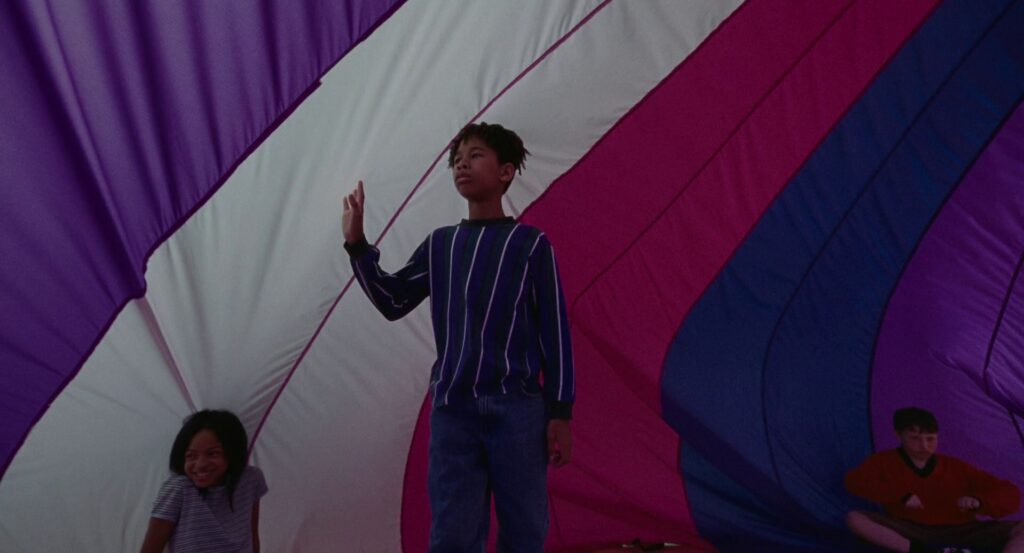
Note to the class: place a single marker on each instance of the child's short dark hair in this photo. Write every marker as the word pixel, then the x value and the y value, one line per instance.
pixel 231 434
pixel 504 142
pixel 910 417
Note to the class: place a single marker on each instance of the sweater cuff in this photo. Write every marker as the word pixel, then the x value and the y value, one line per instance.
pixel 357 249
pixel 561 410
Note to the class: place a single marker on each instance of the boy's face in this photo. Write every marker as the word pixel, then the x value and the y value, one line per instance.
pixel 478 175
pixel 918 444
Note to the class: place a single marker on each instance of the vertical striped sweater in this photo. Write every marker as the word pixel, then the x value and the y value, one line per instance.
pixel 496 304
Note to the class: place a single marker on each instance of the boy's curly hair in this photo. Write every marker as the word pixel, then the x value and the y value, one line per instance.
pixel 504 142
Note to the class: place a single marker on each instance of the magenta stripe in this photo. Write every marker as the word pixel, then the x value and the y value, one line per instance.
pixel 714 157
pixel 408 197
pixel 415 518
pixel 763 93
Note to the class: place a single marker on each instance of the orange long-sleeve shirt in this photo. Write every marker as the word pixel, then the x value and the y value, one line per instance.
pixel 889 478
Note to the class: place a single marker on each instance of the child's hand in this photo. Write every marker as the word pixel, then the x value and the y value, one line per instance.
pixel 352 215
pixel 968 503
pixel 559 442
pixel 913 502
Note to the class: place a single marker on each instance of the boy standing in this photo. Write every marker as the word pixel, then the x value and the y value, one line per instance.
pixel 503 378
pixel 931 500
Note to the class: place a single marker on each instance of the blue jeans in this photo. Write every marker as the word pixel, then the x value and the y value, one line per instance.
pixel 496 445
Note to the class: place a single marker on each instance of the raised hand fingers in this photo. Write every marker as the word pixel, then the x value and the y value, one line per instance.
pixel 354 202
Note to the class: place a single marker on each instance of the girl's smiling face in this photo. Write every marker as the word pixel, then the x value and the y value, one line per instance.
pixel 205 461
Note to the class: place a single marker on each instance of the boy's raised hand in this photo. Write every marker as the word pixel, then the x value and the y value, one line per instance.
pixel 352 215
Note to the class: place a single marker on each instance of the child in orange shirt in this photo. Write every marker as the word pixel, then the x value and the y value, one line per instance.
pixel 930 500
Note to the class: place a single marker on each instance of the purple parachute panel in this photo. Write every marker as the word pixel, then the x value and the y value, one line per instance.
pixel 952 338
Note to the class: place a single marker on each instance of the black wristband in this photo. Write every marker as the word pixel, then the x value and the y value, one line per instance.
pixel 357 249
pixel 559 410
